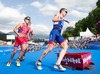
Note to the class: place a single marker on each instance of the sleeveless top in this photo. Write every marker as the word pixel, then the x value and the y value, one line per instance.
pixel 58 25
pixel 24 29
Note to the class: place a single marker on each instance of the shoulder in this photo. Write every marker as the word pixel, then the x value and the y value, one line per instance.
pixel 20 24
pixel 57 15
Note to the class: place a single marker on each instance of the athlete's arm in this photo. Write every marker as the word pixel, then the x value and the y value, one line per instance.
pixel 66 21
pixel 56 18
pixel 16 29
pixel 32 34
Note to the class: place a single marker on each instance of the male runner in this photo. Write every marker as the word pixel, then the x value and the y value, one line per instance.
pixel 55 34
pixel 22 30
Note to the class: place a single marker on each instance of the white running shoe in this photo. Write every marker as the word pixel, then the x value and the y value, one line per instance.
pixel 8 64
pixel 59 67
pixel 38 65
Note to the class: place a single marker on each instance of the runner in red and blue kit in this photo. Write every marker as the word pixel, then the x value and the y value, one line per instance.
pixel 24 38
pixel 30 33
pixel 55 34
pixel 22 30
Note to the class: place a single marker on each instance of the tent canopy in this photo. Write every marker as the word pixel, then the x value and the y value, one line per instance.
pixel 87 33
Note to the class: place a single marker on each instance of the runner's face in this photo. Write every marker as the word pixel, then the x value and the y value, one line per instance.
pixel 64 12
pixel 27 21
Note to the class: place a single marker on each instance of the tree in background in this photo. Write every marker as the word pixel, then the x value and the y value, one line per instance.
pixel 68 32
pixel 98 4
pixel 89 22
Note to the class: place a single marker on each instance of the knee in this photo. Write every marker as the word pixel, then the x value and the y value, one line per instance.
pixel 65 46
pixel 50 49
pixel 24 46
pixel 22 50
pixel 14 51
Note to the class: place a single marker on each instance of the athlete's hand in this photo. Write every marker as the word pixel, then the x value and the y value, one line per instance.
pixel 66 21
pixel 20 35
pixel 62 19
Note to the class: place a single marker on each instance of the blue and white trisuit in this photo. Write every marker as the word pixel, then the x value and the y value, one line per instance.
pixel 55 34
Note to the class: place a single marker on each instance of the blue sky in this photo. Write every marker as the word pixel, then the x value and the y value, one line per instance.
pixel 41 12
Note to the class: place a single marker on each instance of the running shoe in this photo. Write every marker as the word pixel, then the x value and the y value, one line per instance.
pixel 8 64
pixel 59 67
pixel 38 65
pixel 18 63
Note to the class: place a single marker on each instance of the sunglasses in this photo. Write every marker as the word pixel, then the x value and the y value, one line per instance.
pixel 28 19
pixel 65 11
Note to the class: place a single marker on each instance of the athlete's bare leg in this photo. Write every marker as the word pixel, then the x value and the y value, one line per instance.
pixel 23 48
pixel 50 47
pixel 12 55
pixel 38 63
pixel 61 55
pixel 23 57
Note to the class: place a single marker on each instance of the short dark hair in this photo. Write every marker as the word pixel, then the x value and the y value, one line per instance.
pixel 27 17
pixel 62 9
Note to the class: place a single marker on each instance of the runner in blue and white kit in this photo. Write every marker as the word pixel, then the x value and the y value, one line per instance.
pixel 55 34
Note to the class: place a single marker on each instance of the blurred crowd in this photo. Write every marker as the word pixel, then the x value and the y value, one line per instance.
pixel 80 43
pixel 34 46
pixel 83 43
pixel 3 42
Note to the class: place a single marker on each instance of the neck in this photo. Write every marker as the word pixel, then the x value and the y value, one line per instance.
pixel 26 23
pixel 61 15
